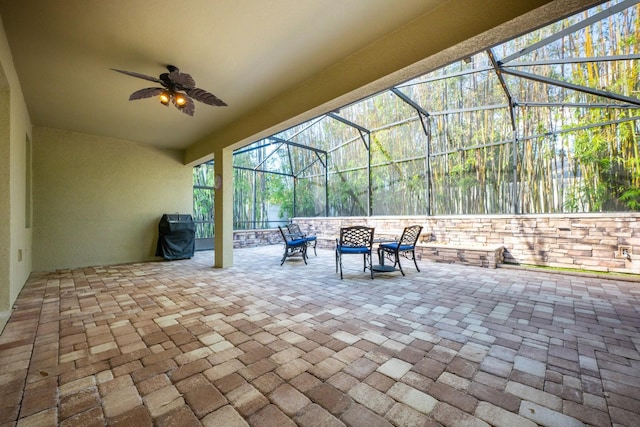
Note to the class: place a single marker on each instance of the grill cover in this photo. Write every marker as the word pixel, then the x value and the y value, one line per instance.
pixel 177 236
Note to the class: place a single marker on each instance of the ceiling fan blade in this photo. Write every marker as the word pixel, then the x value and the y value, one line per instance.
pixel 205 97
pixel 138 75
pixel 145 93
pixel 188 108
pixel 182 79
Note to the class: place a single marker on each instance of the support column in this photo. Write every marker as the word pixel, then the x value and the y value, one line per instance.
pixel 223 207
pixel 5 207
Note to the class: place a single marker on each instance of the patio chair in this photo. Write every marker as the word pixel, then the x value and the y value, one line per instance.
pixel 294 230
pixel 405 247
pixel 293 245
pixel 355 240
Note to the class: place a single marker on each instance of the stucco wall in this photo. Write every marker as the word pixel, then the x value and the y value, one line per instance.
pixel 21 226
pixel 5 205
pixel 98 200
pixel 578 241
pixel 15 236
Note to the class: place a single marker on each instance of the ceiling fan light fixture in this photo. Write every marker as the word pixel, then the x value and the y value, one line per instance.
pixel 165 97
pixel 181 101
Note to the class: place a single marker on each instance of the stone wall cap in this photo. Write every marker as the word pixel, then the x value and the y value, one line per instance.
pixel 471 246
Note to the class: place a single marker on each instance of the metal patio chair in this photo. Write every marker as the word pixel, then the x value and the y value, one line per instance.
pixel 405 247
pixel 355 240
pixel 293 245
pixel 294 230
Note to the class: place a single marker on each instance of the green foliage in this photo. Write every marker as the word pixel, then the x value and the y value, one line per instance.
pixel 631 198
pixel 281 193
pixel 203 200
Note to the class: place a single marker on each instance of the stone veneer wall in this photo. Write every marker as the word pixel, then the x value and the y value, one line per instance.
pixel 578 241
pixel 253 238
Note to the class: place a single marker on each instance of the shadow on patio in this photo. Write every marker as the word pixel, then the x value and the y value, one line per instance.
pixel 181 343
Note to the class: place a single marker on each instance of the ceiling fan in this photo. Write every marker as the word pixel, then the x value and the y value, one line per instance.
pixel 177 88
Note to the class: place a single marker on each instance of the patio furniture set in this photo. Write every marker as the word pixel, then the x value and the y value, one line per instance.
pixel 357 240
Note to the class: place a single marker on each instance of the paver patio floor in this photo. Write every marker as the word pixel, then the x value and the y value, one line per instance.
pixel 183 344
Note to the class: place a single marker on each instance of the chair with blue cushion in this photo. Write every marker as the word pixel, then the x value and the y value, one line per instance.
pixel 293 245
pixel 405 247
pixel 294 230
pixel 355 240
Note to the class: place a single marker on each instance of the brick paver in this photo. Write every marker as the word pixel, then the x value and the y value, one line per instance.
pixel 181 343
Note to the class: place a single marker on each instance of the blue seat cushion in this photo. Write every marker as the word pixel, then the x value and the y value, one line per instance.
pixel 310 238
pixel 353 250
pixel 296 242
pixel 394 246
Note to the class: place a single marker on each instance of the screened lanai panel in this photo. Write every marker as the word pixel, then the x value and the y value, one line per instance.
pixel 547 109
pixel 597 49
pixel 526 92
pixel 243 203
pixel 289 134
pixel 458 131
pixel 398 162
pixel 311 164
pixel 327 134
pixel 378 111
pixel 313 136
pixel 323 133
pixel 257 204
pixel 310 186
pixel 203 175
pixel 460 85
pixel 540 120
pixel 254 199
pixel 615 77
pixel 351 155
pixel 475 63
pixel 348 179
pixel 244 156
pixel 400 188
pixel 203 193
pixel 610 24
pixel 547 174
pixel 251 155
pixel 475 181
pixel 349 192
pixel 398 142
pixel 310 196
pixel 590 170
pixel 279 198
pixel 279 161
pixel 306 162
pixel 337 134
pixel 608 29
pixel 309 133
pixel 266 155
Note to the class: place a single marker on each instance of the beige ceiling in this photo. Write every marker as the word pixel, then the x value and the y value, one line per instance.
pixel 274 62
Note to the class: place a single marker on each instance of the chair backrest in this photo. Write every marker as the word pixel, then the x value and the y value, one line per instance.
pixel 285 235
pixel 294 230
pixel 356 236
pixel 410 235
